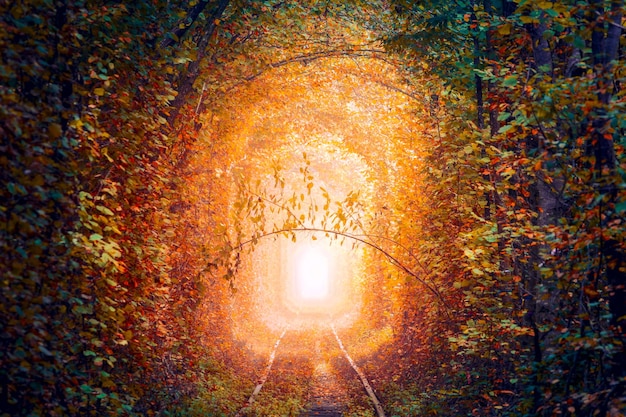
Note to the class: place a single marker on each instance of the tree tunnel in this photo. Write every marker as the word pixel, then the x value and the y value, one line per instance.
pixel 268 208
pixel 315 167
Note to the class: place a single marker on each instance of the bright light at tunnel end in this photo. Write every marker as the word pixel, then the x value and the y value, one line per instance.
pixel 312 282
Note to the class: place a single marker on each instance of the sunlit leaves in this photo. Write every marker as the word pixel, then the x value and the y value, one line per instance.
pixel 116 228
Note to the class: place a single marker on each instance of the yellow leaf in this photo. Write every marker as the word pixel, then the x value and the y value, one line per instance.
pixel 38 181
pixel 527 19
pixel 98 91
pixel 545 5
pixel 477 271
pixel 76 123
pixel 469 253
pixel 505 29
pixel 55 131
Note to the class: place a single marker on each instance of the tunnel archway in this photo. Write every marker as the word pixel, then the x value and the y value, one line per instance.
pixel 323 157
pixel 164 163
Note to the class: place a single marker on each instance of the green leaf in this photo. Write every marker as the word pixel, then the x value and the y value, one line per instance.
pixel 578 42
pixel 505 128
pixel 95 236
pixel 503 116
pixel 510 81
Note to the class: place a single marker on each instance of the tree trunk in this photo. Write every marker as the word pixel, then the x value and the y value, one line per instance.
pixel 182 27
pixel 545 202
pixel 605 45
pixel 187 79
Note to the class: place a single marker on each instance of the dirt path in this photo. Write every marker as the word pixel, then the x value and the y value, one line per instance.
pixel 328 397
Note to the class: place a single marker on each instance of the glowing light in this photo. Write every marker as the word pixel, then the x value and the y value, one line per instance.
pixel 312 275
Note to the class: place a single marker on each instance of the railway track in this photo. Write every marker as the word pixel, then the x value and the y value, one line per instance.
pixel 326 393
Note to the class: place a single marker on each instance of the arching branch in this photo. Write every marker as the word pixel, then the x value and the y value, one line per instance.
pixel 306 58
pixel 357 238
pixel 370 53
pixel 401 246
pixel 401 91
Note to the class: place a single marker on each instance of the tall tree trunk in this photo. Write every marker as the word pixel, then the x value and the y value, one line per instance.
pixel 480 111
pixel 494 126
pixel 548 203
pixel 187 79
pixel 176 35
pixel 545 202
pixel 605 44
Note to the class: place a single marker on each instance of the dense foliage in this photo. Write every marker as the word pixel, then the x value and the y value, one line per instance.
pixel 143 144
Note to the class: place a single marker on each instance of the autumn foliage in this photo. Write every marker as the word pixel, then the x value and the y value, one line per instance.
pixel 465 158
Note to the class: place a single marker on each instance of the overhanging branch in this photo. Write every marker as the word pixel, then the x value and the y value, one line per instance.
pixel 306 58
pixel 357 238
pixel 370 53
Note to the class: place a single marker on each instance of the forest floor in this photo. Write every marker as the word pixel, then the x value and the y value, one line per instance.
pixel 310 377
pixel 328 396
